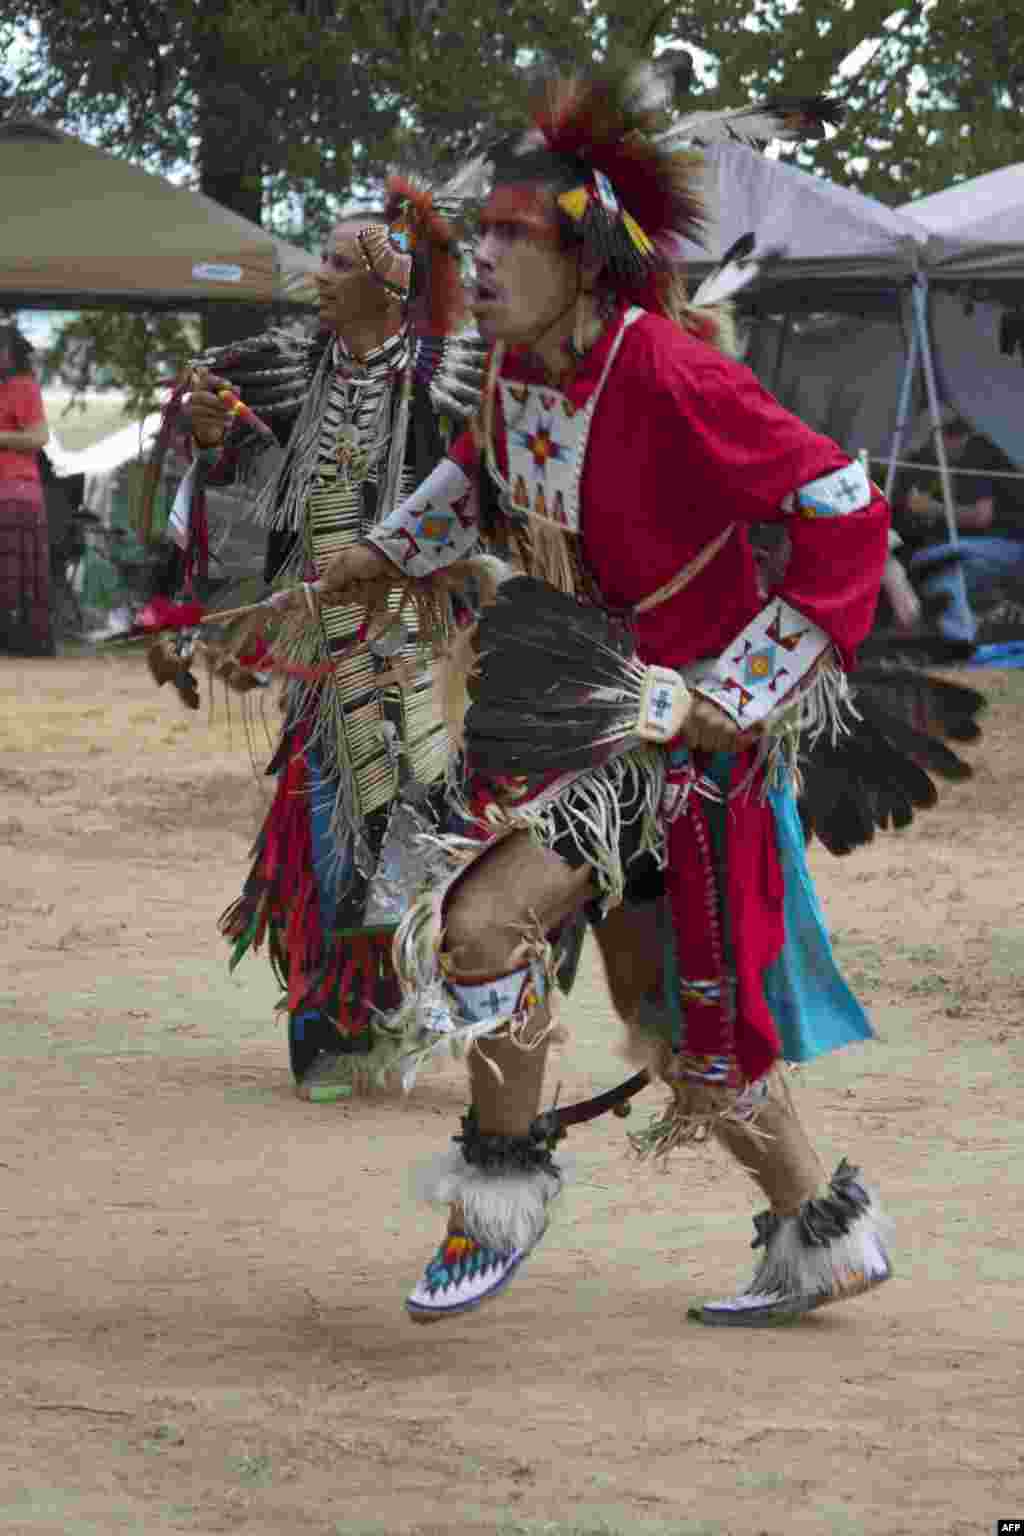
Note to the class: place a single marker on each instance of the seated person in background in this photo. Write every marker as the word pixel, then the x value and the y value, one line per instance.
pixel 989 513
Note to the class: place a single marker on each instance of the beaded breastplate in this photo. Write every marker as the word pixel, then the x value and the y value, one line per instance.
pixel 383 734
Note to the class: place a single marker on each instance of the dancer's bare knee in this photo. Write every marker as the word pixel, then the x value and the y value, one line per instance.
pixel 518 889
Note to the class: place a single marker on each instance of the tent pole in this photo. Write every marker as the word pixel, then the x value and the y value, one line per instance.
pixel 920 301
pixel 903 409
pixel 780 356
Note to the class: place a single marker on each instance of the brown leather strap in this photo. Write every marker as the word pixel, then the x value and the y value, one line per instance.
pixel 555 1121
pixel 683 578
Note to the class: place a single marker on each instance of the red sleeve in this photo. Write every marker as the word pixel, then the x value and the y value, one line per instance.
pixel 751 457
pixel 835 571
pixel 743 446
pixel 27 401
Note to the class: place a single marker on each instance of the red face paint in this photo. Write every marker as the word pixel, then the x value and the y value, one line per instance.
pixel 523 211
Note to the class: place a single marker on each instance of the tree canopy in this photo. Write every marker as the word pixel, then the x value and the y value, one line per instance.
pixel 933 90
pixel 281 106
pixel 283 109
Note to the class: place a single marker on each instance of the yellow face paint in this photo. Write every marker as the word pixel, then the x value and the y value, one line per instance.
pixel 574 203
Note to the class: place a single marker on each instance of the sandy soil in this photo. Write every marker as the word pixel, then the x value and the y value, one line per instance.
pixel 202 1276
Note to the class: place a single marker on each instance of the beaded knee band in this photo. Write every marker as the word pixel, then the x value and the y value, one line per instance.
pixel 503 999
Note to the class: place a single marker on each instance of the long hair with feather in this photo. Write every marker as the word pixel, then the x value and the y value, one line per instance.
pixel 437 280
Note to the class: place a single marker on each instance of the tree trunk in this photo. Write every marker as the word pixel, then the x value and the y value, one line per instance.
pixel 231 173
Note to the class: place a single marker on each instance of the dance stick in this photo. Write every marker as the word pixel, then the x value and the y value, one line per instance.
pixel 236 406
pixel 224 614
pixel 367 630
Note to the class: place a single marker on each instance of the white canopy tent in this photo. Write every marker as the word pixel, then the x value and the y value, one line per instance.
pixel 233 536
pixel 976 269
pixel 81 227
pixel 831 249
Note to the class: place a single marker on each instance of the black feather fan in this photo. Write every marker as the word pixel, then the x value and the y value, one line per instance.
pixel 559 686
pixel 881 773
pixel 560 689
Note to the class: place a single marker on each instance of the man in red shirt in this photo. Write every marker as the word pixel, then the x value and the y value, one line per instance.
pixel 25 624
pixel 622 458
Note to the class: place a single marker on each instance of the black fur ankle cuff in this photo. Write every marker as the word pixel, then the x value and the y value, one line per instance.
pixel 506 1154
pixel 824 1220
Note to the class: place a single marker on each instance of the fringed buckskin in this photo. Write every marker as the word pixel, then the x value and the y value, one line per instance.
pixel 702 1098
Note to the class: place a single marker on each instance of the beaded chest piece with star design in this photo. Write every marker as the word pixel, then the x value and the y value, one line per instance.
pixel 546 438
pixel 547 441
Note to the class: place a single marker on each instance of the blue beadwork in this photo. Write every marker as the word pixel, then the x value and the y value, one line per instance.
pixel 440 1276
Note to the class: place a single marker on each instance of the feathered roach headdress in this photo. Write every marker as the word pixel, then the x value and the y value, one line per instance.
pixel 626 198
pixel 625 171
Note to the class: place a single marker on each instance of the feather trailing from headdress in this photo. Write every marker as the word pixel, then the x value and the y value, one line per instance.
pixel 610 123
pixel 604 122
pixel 784 118
pixel 470 184
pixel 560 686
pixel 738 268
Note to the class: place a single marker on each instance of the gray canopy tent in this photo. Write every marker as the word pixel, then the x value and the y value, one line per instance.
pixel 82 228
pixel 900 285
pixel 826 238
pixel 976 273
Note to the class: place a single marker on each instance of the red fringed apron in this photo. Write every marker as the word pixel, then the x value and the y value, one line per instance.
pixel 716 1022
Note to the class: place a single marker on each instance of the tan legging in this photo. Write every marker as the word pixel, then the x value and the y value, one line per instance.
pixel 518 886
pixel 778 1157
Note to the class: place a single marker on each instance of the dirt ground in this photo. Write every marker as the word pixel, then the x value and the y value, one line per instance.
pixel 202 1277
